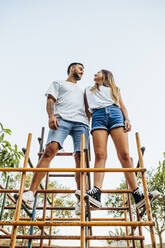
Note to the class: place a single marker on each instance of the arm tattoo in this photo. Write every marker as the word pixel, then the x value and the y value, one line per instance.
pixel 50 107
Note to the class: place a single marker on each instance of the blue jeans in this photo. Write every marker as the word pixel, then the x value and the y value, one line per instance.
pixel 107 118
pixel 75 129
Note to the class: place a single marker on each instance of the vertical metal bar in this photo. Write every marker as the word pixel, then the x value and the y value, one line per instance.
pixel 19 202
pixel 140 228
pixel 4 198
pixel 36 195
pixel 142 150
pixel 82 163
pixel 125 216
pixel 148 208
pixel 51 218
pixel 137 211
pixel 33 218
pixel 88 187
pixel 88 174
pixel 89 215
pixel 89 149
pixel 88 218
pixel 44 209
pixel 130 216
pixel 41 141
pixel 86 234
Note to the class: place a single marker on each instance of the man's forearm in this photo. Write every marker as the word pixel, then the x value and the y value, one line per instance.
pixel 50 107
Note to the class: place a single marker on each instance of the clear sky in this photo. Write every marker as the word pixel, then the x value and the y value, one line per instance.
pixel 39 39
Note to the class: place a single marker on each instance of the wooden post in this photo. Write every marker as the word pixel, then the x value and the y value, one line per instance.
pixel 148 208
pixel 44 209
pixel 82 180
pixel 19 201
pixel 125 216
pixel 51 218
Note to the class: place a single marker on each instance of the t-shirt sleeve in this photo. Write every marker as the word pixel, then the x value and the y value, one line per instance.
pixel 53 89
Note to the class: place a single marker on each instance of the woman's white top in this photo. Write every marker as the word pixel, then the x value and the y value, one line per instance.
pixel 99 98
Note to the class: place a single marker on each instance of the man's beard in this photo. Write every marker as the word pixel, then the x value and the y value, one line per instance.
pixel 76 76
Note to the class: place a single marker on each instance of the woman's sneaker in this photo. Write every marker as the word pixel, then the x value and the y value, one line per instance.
pixel 94 196
pixel 139 197
pixel 28 199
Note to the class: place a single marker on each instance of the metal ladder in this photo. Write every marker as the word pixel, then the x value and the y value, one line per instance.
pixel 86 221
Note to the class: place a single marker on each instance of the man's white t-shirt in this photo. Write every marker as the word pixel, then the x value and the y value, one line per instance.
pixel 69 104
pixel 99 98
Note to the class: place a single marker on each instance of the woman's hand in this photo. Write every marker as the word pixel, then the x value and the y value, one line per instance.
pixel 53 122
pixel 127 125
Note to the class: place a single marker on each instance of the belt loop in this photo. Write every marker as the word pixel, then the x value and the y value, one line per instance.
pixel 107 111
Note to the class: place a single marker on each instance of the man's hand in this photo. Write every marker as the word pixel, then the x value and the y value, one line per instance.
pixel 127 125
pixel 53 122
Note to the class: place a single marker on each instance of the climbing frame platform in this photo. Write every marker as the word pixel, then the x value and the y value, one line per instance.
pixel 85 222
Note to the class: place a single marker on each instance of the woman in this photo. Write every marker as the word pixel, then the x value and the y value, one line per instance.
pixel 110 116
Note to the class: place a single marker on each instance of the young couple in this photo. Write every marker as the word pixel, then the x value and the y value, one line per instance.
pixel 69 110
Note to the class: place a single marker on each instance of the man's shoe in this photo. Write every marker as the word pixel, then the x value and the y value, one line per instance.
pixel 28 199
pixel 94 196
pixel 78 194
pixel 139 197
pixel 77 208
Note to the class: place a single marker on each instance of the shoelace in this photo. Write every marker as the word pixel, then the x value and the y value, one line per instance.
pixel 93 191
pixel 138 193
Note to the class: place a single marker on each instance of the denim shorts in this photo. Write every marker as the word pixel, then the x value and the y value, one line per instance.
pixel 107 118
pixel 74 129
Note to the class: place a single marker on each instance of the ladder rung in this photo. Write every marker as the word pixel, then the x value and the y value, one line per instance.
pixel 63 191
pixel 61 175
pixel 73 219
pixel 76 237
pixel 64 154
pixel 80 223
pixel 52 246
pixel 72 208
pixel 59 154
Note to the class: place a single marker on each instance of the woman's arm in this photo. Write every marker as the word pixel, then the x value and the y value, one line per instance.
pixel 125 113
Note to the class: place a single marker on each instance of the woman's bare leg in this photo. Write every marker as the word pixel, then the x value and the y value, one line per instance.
pixel 120 139
pixel 100 138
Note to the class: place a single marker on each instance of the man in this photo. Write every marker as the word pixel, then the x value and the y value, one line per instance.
pixel 67 116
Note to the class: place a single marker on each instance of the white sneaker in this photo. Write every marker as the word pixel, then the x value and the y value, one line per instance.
pixel 77 208
pixel 78 194
pixel 28 199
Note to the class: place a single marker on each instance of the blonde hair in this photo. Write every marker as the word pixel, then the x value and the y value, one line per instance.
pixel 108 81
